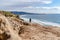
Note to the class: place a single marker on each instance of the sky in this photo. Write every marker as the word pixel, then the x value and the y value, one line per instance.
pixel 32 6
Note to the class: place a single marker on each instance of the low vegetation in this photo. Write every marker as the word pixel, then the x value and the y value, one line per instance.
pixel 8 14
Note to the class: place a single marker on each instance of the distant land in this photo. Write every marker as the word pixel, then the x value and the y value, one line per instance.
pixel 27 13
pixel 24 13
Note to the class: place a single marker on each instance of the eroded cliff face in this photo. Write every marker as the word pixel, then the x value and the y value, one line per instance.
pixel 13 28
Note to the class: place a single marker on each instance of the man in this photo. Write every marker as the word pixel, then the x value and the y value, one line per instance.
pixel 30 20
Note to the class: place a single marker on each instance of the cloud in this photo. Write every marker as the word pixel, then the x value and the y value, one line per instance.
pixel 44 10
pixel 18 2
pixel 32 6
pixel 46 1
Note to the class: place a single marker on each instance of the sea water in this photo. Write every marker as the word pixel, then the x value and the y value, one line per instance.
pixel 46 19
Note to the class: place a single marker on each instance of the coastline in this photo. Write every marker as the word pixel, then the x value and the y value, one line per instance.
pixel 44 23
pixel 17 29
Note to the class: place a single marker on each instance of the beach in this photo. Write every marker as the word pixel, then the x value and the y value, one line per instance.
pixel 39 21
pixel 14 28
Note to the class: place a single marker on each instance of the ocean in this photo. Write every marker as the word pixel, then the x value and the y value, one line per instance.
pixel 45 19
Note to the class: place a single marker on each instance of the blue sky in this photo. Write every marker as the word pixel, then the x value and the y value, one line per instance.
pixel 33 6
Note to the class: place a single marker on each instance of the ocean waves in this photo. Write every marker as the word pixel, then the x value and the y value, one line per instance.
pixel 41 22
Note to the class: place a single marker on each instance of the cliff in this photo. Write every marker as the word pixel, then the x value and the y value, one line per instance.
pixel 14 28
